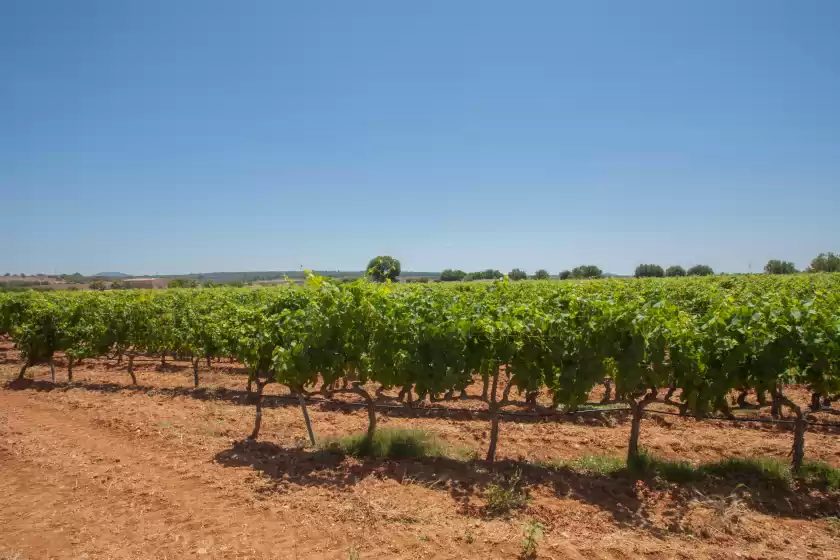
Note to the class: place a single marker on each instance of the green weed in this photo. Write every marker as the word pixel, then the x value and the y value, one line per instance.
pixel 501 499
pixel 771 472
pixel 822 474
pixel 390 443
pixel 672 471
pixel 533 532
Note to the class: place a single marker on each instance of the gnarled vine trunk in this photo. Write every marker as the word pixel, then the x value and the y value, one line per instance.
pixel 494 422
pixel 131 369
pixel 195 372
pixel 258 416
pixel 302 402
pixel 635 430
pixel 371 408
pixel 70 369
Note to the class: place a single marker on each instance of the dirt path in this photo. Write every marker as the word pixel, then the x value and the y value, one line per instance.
pixel 91 473
pixel 68 476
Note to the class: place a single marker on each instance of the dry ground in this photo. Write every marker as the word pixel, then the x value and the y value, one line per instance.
pixel 100 469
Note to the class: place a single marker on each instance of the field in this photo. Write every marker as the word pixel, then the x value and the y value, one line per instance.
pixel 158 464
pixel 159 470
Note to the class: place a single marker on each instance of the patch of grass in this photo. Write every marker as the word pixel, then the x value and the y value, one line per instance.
pixel 822 474
pixel 672 471
pixel 772 472
pixel 502 498
pixel 464 453
pixel 596 464
pixel 389 443
pixel 833 525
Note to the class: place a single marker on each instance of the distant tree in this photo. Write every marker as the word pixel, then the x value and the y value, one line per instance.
pixel 565 274
pixel 119 285
pixel 7 274
pixel 383 268
pixel 675 270
pixel 183 283
pixel 586 271
pixel 98 285
pixel 489 274
pixel 541 274
pixel 209 284
pixel 450 275
pixel 825 262
pixel 779 267
pixel 649 271
pixel 22 275
pixel 700 270
pixel 517 274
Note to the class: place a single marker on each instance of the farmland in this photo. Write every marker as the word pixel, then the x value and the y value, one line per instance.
pixel 150 436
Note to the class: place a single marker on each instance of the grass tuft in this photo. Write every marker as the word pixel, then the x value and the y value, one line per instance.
pixel 502 498
pixel 672 471
pixel 821 474
pixel 595 464
pixel 389 443
pixel 771 472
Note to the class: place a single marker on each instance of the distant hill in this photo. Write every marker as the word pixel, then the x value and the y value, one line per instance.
pixel 272 275
pixel 112 275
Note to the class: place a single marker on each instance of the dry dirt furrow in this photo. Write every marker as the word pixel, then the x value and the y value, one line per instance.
pixel 67 477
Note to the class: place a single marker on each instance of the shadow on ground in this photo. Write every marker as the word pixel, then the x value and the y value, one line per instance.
pixel 628 503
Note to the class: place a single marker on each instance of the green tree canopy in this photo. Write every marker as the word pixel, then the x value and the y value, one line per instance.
pixel 649 271
pixel 450 275
pixel 517 274
pixel 825 262
pixel 383 268
pixel 700 270
pixel 675 270
pixel 586 271
pixel 565 274
pixel 541 274
pixel 775 266
pixel 182 283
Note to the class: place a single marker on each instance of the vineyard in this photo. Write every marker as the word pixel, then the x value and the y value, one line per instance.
pixel 703 346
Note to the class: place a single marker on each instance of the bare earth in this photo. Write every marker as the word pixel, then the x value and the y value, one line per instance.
pixel 100 469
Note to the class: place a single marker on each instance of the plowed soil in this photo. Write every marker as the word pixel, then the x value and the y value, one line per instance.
pixel 99 468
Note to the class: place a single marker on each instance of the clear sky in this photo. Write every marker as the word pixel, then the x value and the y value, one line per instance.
pixel 163 136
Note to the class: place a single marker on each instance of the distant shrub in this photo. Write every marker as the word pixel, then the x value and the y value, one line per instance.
pixel 649 271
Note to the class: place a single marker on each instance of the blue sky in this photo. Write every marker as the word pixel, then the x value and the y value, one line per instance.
pixel 198 135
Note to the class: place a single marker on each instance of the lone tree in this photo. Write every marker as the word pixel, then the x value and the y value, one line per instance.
pixel 649 271
pixel 383 268
pixel 700 270
pixel 517 274
pixel 675 270
pixel 450 275
pixel 97 285
pixel 779 267
pixel 541 274
pixel 825 262
pixel 586 271
pixel 565 274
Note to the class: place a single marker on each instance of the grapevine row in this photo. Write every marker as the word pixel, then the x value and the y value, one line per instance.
pixel 685 342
